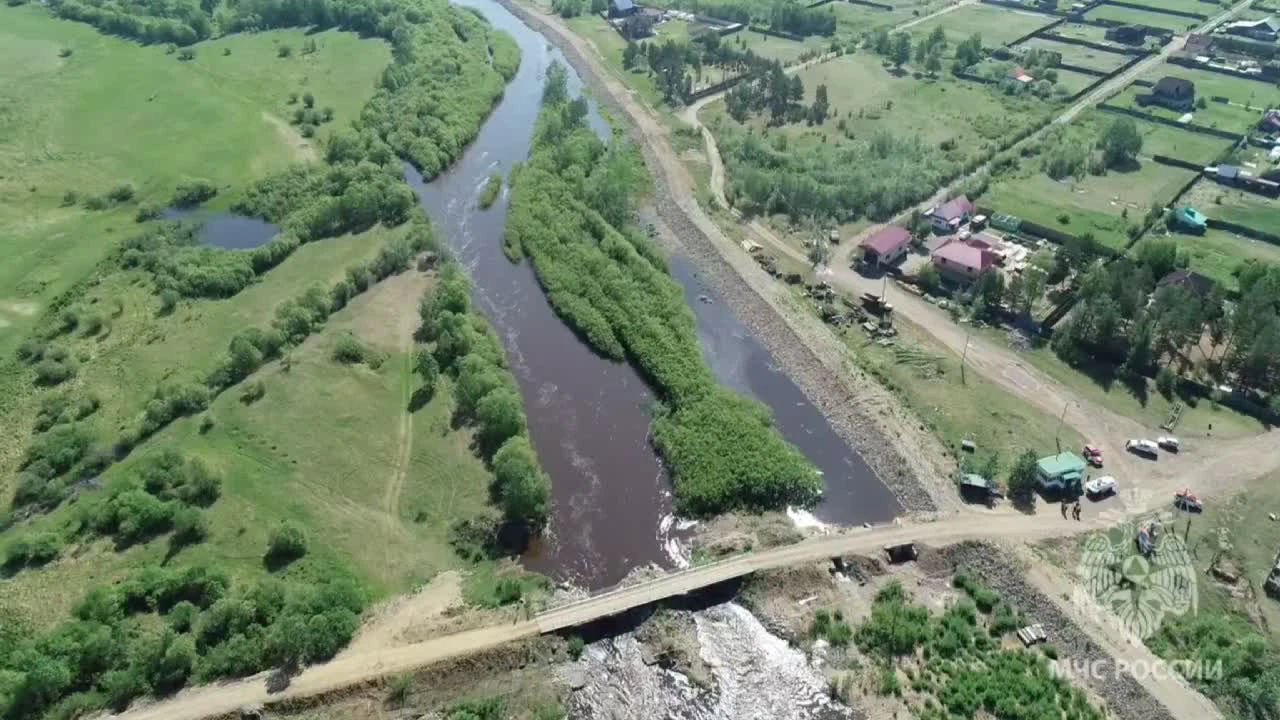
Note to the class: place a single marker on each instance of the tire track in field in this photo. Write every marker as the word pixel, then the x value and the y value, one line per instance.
pixel 404 440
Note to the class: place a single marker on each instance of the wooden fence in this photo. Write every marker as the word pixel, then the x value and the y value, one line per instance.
pixel 1115 49
pixel 1151 8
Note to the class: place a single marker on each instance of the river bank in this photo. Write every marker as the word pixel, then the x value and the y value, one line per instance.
pixel 909 460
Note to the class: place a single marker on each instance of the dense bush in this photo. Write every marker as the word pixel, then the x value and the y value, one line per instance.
pixel 58 450
pixel 522 489
pixel 602 278
pixel 348 350
pixel 190 193
pixel 63 408
pixel 491 190
pixel 287 543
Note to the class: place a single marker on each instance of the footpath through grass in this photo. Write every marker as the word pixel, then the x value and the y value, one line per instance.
pixel 87 113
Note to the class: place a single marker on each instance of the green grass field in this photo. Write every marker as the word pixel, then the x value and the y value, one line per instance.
pixel 113 112
pixel 855 20
pixel 322 448
pixel 1218 253
pixel 926 376
pixel 1142 17
pixel 1222 116
pixel 1247 98
pixel 996 25
pixel 1074 82
pixel 868 97
pixel 784 51
pixel 1208 9
pixel 1082 31
pixel 1151 409
pixel 1237 206
pixel 1079 55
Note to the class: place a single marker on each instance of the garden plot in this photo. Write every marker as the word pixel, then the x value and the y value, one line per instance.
pixel 996 25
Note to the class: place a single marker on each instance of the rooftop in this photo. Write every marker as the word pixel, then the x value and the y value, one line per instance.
pixel 953 208
pixel 888 240
pixel 1064 463
pixel 966 255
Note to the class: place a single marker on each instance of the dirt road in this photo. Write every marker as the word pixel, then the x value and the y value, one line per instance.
pixel 356 668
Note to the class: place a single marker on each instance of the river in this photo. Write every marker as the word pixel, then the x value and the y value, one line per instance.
pixel 588 416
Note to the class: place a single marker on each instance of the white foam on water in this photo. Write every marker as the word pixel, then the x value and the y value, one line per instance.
pixel 805 520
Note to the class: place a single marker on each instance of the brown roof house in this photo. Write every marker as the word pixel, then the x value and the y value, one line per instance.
pixel 962 262
pixel 885 248
pixel 1171 92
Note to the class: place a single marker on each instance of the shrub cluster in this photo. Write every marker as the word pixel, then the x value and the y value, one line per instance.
pixel 485 395
pixel 162 628
pixel 190 193
pixel 572 213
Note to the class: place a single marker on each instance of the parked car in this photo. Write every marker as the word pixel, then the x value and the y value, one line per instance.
pixel 1101 486
pixel 1185 500
pixel 1168 442
pixel 1093 455
pixel 1146 448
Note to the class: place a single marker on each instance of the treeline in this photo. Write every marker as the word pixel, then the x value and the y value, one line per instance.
pixel 164 627
pixel 674 65
pixel 572 213
pixel 486 397
pixel 780 15
pixel 1127 318
pixel 871 178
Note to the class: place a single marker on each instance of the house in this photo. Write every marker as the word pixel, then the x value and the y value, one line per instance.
pixel 1063 472
pixel 622 8
pixel 961 262
pixel 1189 220
pixel 1270 122
pixel 949 216
pixel 1017 74
pixel 886 247
pixel 1193 281
pixel 1197 44
pixel 1127 34
pixel 1172 92
pixel 1266 29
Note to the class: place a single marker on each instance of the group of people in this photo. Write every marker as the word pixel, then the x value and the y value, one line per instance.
pixel 1075 509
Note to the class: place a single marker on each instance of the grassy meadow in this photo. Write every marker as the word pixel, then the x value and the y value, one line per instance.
pixel 1237 206
pixel 1218 253
pixel 996 25
pixel 87 112
pixel 1134 16
pixel 1079 55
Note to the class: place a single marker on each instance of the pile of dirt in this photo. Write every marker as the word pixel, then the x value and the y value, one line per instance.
pixel 670 640
pixel 732 533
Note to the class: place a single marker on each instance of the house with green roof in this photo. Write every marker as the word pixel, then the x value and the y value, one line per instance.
pixel 1188 219
pixel 1063 472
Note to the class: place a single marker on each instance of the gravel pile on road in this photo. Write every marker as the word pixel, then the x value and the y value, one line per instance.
pixel 1124 696
pixel 850 416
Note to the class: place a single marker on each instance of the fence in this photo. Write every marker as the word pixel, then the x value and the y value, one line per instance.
pixel 1175 162
pixel 1150 8
pixel 1245 230
pixel 868 3
pixel 776 33
pixel 1091 72
pixel 1094 85
pixel 1116 49
pixel 1191 63
pixel 1193 127
pixel 1021 6
pixel 713 89
pixel 1036 32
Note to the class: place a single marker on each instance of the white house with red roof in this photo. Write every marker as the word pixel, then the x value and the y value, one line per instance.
pixel 949 216
pixel 885 247
pixel 963 262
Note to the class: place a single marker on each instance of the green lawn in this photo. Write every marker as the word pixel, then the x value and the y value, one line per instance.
pixel 1142 17
pixel 1181 144
pixel 1079 55
pixel 1082 31
pixel 996 25
pixel 854 20
pixel 868 98
pixel 784 51
pixel 113 112
pixel 926 376
pixel 1208 9
pixel 1074 82
pixel 1152 409
pixel 1245 208
pixel 321 449
pixel 1222 116
pixel 1217 253
pixel 1096 204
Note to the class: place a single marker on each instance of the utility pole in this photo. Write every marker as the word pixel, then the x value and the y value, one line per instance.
pixel 1058 433
pixel 964 355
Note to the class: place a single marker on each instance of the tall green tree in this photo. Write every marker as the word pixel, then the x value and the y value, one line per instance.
pixel 1120 142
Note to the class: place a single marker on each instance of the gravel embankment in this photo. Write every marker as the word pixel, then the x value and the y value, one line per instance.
pixel 858 416
pixel 1123 695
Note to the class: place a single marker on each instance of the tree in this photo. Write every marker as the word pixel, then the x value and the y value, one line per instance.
pixel 818 251
pixel 1023 478
pixel 933 64
pixel 1121 142
pixel 1140 356
pixel 424 364
pixel 928 279
pixel 500 417
pixel 287 543
pixel 901 52
pixel 308 100
pixel 523 489
pixel 629 55
pixel 818 111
